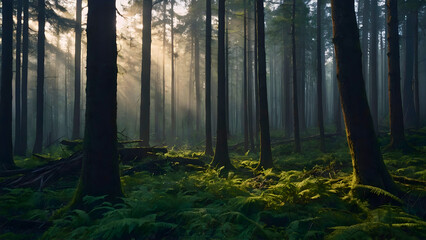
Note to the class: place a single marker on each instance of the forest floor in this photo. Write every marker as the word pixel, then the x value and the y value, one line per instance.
pixel 306 196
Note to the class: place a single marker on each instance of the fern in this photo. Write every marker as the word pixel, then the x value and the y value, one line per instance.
pixel 379 192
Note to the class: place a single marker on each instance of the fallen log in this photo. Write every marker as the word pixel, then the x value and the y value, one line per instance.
pixel 136 154
pixel 40 177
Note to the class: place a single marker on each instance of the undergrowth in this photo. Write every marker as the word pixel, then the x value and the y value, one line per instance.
pixel 305 197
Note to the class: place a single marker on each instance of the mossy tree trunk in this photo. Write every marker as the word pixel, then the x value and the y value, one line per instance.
pixel 265 141
pixel 368 165
pixel 100 172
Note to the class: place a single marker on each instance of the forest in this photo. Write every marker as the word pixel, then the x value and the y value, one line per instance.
pixel 213 119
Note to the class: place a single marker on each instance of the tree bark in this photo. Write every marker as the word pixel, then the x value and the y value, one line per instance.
pixel 416 69
pixel 173 102
pixel 209 148
pixel 297 147
pixel 374 88
pixel 245 89
pixel 221 157
pixel 77 66
pixel 319 76
pixel 163 107
pixel 250 83
pixel 18 78
pixel 197 82
pixel 24 94
pixel 6 146
pixel 369 168
pixel 38 145
pixel 265 141
pixel 394 77
pixel 100 172
pixel 146 74
pixel 408 96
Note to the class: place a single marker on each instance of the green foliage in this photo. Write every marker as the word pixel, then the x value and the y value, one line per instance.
pixel 307 196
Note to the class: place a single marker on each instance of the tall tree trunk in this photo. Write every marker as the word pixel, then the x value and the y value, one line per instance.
pixel 6 146
pixel 416 68
pixel 163 108
pixel 24 94
pixel 250 82
pixel 265 141
pixel 227 84
pixel 245 89
pixel 374 88
pixel 365 40
pixel 100 173
pixel 394 77
pixel 146 73
pixel 173 102
pixel 38 145
pixel 209 148
pixel 77 66
pixel 368 165
pixel 408 96
pixel 319 76
pixel 287 91
pixel 302 77
pixel 197 82
pixel 297 146
pixel 221 157
pixel 18 78
pixel 256 75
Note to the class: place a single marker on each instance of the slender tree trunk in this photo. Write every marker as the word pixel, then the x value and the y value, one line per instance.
pixel 250 82
pixel 6 146
pixel 24 94
pixel 256 75
pixel 365 40
pixel 227 84
pixel 245 99
pixel 100 173
pixel 163 108
pixel 368 165
pixel 197 82
pixel 319 76
pixel 374 88
pixel 77 65
pixel 408 96
pixel 221 157
pixel 416 69
pixel 38 145
pixel 265 141
pixel 297 146
pixel 146 73
pixel 209 148
pixel 287 92
pixel 173 102
pixel 394 76
pixel 18 79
